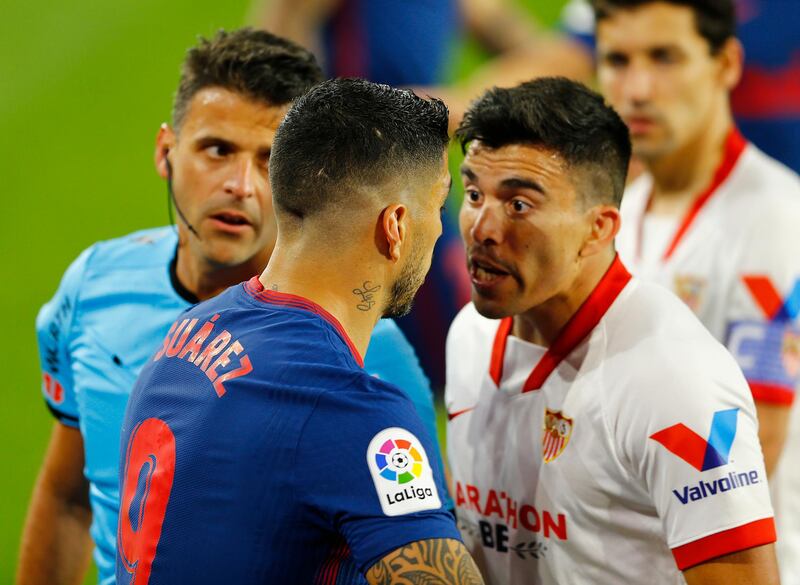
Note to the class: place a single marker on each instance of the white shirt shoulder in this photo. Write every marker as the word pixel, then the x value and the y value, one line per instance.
pixel 660 357
pixel 761 191
pixel 667 380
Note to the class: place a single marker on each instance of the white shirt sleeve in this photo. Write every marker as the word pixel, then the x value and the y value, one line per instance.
pixel 688 433
pixel 762 329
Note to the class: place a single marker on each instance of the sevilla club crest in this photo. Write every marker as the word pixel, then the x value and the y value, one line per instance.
pixel 691 290
pixel 557 431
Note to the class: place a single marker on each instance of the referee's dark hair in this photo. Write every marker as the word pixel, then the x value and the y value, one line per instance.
pixel 348 139
pixel 715 19
pixel 562 116
pixel 253 63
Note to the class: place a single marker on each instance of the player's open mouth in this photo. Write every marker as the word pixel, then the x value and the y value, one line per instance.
pixel 483 273
pixel 230 221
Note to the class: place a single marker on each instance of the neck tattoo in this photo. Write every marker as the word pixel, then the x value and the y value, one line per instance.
pixel 366 295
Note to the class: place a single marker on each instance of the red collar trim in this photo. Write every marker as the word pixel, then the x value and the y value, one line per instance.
pixel 733 149
pixel 499 350
pixel 575 331
pixel 255 289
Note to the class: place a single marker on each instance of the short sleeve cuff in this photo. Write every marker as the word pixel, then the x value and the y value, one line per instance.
pixel 772 393
pixel 726 542
pixel 390 537
pixel 64 418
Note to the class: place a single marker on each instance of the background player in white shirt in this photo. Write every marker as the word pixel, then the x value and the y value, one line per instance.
pixel 598 433
pixel 714 219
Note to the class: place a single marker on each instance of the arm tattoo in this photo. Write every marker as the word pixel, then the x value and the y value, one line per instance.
pixel 366 294
pixel 439 561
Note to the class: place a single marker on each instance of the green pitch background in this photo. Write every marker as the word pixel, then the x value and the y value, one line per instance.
pixel 83 88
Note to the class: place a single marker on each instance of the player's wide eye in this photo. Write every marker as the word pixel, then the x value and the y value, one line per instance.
pixel 218 150
pixel 520 206
pixel 472 195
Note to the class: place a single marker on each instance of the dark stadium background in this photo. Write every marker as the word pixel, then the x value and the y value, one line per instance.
pixel 83 87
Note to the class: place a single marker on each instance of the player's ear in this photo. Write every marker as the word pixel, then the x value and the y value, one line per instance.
pixel 165 140
pixel 393 230
pixel 731 60
pixel 605 223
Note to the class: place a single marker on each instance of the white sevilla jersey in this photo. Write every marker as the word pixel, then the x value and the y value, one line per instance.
pixel 624 453
pixel 734 259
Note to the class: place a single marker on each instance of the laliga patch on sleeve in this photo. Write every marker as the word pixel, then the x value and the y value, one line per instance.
pixel 402 473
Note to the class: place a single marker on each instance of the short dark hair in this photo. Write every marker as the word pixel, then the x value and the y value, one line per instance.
pixel 347 135
pixel 715 19
pixel 254 63
pixel 559 115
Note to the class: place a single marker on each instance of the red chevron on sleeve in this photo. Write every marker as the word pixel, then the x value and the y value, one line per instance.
pixel 765 294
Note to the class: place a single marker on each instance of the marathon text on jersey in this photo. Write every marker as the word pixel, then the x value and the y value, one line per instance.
pixel 508 510
pixel 209 357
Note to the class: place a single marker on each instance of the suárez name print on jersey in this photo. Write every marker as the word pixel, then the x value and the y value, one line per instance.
pixel 274 481
pixel 209 357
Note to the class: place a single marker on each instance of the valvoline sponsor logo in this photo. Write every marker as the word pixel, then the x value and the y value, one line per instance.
pixel 706 454
pixel 698 452
pixel 705 489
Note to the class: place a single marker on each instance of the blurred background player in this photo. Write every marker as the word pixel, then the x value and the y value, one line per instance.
pixel 766 101
pixel 117 300
pixel 410 44
pixel 714 219
pixel 304 467
pixel 571 438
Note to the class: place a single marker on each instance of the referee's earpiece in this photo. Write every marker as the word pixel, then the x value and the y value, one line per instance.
pixel 171 198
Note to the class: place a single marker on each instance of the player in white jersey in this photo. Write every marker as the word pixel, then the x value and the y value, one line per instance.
pixel 713 219
pixel 597 432
pixel 732 260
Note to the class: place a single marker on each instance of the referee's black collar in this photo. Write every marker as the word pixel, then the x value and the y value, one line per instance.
pixel 182 291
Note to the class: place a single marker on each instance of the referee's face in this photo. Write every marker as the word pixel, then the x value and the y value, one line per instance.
pixel 523 227
pixel 220 177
